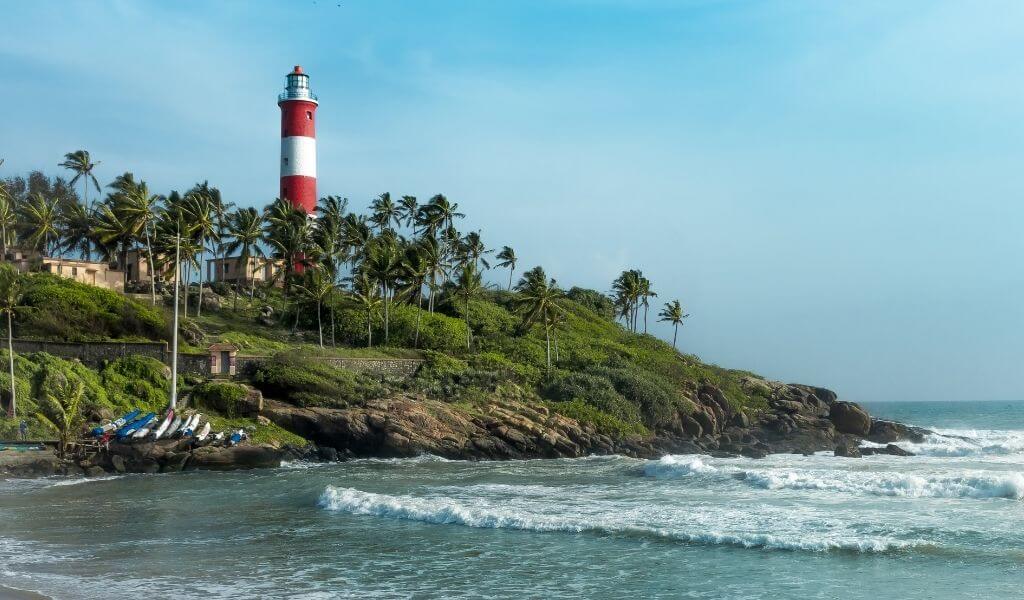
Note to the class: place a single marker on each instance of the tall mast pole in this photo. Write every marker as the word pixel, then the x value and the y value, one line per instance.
pixel 174 339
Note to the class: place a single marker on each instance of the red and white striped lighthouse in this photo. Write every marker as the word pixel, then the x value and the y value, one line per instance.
pixel 298 141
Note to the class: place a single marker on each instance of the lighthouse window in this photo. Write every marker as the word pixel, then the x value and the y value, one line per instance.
pixel 309 115
pixel 286 160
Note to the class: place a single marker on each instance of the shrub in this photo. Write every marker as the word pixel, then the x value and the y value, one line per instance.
pixel 601 304
pixel 137 382
pixel 437 331
pixel 300 379
pixel 62 309
pixel 594 390
pixel 223 397
pixel 602 421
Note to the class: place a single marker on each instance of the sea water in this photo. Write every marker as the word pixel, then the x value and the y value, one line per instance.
pixel 947 523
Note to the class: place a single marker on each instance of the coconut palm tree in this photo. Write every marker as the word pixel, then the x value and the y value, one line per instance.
pixel 287 232
pixel 364 291
pixel 137 207
pixel 40 218
pixel 436 266
pixel 81 164
pixel 383 211
pixel 468 285
pixel 408 209
pixel 414 272
pixel 8 220
pixel 245 228
pixel 538 301
pixel 201 208
pixel 317 286
pixel 78 223
pixel 10 301
pixel 507 260
pixel 673 313
pixel 384 263
pixel 628 289
pixel 62 410
pixel 472 248
pixel 445 212
pixel 646 293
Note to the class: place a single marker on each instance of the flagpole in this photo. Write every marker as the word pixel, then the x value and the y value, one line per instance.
pixel 174 340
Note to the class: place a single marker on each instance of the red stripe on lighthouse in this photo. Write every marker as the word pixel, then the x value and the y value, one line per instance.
pixel 300 191
pixel 298 117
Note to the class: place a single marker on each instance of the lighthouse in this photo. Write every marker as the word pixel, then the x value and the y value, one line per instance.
pixel 298 142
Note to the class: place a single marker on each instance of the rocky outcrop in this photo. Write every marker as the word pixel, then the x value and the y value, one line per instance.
pixel 850 418
pixel 167 456
pixel 33 463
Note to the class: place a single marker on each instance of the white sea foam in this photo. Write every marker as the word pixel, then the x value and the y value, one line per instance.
pixel 976 485
pixel 81 480
pixel 482 514
pixel 673 466
pixel 968 442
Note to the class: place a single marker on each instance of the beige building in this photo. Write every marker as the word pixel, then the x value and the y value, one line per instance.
pixel 232 269
pixel 99 274
pixel 137 266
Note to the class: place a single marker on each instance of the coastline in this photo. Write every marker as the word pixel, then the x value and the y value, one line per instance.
pixel 11 593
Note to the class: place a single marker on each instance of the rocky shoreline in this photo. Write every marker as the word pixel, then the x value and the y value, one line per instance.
pixel 798 419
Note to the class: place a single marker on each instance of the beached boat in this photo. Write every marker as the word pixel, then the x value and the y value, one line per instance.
pixel 131 428
pixel 191 426
pixel 204 432
pixel 164 425
pixel 175 425
pixel 116 424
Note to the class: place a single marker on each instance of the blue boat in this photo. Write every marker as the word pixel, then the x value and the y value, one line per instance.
pixel 116 424
pixel 135 425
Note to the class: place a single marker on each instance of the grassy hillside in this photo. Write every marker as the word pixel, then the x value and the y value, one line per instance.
pixel 624 383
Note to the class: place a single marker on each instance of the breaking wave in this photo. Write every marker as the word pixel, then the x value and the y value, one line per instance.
pixel 968 443
pixel 1009 485
pixel 447 511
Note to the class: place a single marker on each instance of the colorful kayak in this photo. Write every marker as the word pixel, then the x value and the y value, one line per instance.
pixel 163 426
pixel 204 432
pixel 131 428
pixel 190 425
pixel 175 425
pixel 130 424
pixel 116 424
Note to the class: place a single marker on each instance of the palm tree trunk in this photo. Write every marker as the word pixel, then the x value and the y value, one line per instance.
pixel 645 318
pixel 334 344
pixel 547 336
pixel 188 276
pixel 675 332
pixel 320 324
pixel 510 272
pixel 152 272
pixel 10 356
pixel 387 322
pixel 369 328
pixel 419 314
pixel 469 332
pixel 199 302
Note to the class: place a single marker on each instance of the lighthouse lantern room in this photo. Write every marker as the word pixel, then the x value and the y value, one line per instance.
pixel 298 141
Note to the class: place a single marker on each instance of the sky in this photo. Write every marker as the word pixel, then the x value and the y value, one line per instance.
pixel 833 190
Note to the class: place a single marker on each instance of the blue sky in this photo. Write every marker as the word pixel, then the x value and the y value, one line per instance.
pixel 832 189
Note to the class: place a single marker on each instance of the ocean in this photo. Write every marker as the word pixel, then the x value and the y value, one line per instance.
pixel 947 523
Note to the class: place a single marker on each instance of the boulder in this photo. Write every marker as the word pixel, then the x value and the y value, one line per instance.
pixel 117 461
pixel 848 450
pixel 235 457
pixel 94 471
pixel 850 418
pixel 884 432
pixel 691 427
pixel 889 449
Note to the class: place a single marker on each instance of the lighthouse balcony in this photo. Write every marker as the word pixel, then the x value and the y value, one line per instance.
pixel 297 94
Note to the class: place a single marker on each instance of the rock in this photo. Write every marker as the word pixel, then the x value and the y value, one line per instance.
pixel 741 420
pixel 850 418
pixel 94 471
pixel 890 449
pixel 174 462
pixel 883 432
pixel 235 457
pixel 326 453
pixel 262 420
pixel 753 452
pixel 191 332
pixel 117 461
pixel 848 450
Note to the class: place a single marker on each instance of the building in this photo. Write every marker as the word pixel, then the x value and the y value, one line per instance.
pixel 231 269
pixel 99 274
pixel 137 267
pixel 298 142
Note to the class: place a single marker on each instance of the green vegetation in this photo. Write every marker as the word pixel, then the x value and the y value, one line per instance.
pixel 221 396
pixel 399 281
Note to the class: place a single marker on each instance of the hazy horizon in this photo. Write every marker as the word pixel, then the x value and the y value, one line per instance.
pixel 831 190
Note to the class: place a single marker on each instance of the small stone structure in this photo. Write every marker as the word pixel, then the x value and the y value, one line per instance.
pixel 222 359
pixel 395 367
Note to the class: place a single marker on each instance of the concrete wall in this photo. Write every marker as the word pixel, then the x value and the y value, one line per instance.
pixel 395 367
pixel 95 354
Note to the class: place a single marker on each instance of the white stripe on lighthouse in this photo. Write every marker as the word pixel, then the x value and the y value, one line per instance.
pixel 298 156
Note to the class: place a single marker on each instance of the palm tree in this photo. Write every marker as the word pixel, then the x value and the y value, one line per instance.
pixel 245 227
pixel 628 289
pixel 383 211
pixel 468 285
pixel 318 287
pixel 472 248
pixel 436 265
pixel 62 409
pixel 40 219
pixel 78 224
pixel 201 208
pixel 81 164
pixel 507 259
pixel 10 300
pixel 137 208
pixel 673 313
pixel 646 293
pixel 414 271
pixel 538 300
pixel 287 232
pixel 8 220
pixel 384 263
pixel 364 290
pixel 445 212
pixel 408 209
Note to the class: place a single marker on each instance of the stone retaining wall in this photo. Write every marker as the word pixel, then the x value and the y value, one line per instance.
pixel 395 367
pixel 96 354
